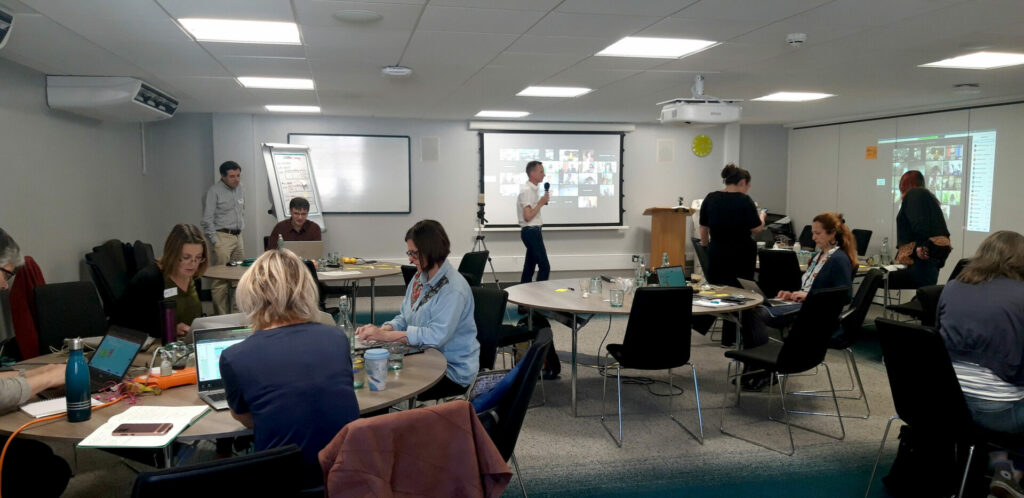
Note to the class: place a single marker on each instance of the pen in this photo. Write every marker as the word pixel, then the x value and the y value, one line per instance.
pixel 570 288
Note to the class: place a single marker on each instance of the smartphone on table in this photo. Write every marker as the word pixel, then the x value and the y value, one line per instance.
pixel 155 429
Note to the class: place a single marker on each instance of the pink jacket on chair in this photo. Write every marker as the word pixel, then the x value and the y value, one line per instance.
pixel 440 450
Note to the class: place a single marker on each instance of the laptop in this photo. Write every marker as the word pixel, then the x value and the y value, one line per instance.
pixel 108 364
pixel 210 343
pixel 311 250
pixel 752 286
pixel 671 276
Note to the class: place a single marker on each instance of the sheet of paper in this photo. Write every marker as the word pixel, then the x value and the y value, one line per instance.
pixel 339 273
pixel 48 407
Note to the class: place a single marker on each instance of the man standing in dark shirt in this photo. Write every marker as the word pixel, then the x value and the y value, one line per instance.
pixel 297 227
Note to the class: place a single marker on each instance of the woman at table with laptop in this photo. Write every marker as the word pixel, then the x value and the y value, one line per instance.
pixel 437 311
pixel 30 467
pixel 172 277
pixel 830 266
pixel 291 380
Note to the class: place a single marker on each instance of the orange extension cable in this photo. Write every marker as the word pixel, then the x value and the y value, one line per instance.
pixel 3 453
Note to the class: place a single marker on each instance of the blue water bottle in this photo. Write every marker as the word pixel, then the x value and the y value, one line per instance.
pixel 76 380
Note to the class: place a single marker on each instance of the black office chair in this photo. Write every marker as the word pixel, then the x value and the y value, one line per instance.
pixel 273 472
pixel 69 309
pixel 488 313
pixel 915 308
pixel 109 271
pixel 779 271
pixel 657 337
pixel 863 237
pixel 702 257
pixel 851 326
pixel 408 271
pixel 321 298
pixel 803 349
pixel 928 398
pixel 472 266
pixel 141 255
pixel 806 237
pixel 504 421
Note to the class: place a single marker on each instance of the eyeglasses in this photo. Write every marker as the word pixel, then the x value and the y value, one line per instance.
pixel 8 274
pixel 187 260
pixel 413 254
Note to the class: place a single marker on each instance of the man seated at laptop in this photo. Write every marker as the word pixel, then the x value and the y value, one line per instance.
pixel 291 380
pixel 30 468
pixel 830 266
pixel 297 227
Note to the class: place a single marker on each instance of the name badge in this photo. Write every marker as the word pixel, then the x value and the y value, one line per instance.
pixel 173 291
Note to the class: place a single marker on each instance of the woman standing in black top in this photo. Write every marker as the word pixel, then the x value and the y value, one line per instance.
pixel 921 235
pixel 727 219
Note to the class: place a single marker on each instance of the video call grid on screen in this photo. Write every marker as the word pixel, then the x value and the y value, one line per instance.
pixel 584 170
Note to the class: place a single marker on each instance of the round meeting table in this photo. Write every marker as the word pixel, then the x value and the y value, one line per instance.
pixel 564 296
pixel 347 273
pixel 419 372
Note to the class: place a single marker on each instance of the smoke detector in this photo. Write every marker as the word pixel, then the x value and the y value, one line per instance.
pixel 396 71
pixel 796 39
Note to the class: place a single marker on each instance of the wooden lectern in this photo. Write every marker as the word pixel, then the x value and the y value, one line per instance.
pixel 668 235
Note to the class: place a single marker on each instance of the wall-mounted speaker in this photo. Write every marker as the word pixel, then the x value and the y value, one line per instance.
pixel 666 150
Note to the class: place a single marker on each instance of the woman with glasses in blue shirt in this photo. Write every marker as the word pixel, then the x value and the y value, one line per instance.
pixel 437 311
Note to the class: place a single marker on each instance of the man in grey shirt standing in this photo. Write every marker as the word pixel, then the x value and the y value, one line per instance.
pixel 223 221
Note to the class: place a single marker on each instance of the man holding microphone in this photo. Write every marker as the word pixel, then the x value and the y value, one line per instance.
pixel 528 207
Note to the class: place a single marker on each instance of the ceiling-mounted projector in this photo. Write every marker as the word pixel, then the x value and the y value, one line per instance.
pixel 109 98
pixel 6 22
pixel 700 109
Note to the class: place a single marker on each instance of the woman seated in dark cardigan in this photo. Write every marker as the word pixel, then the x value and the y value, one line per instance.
pixel 830 266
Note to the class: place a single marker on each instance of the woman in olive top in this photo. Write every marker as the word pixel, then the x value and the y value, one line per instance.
pixel 727 219
pixel 172 277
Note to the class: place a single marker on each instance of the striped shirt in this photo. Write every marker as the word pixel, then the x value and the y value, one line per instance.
pixel 979 382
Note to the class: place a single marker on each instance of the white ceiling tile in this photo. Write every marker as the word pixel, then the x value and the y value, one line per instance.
pixel 275 67
pixel 253 10
pixel 574 45
pixel 589 77
pixel 253 50
pixel 701 29
pixel 544 5
pixel 749 10
pixel 653 8
pixel 379 47
pixel 436 48
pixel 394 16
pixel 610 27
pixel 467 20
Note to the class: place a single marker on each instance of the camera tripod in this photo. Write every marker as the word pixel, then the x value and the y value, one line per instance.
pixel 480 243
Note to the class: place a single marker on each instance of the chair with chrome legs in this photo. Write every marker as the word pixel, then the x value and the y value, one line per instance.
pixel 852 323
pixel 927 396
pixel 657 337
pixel 803 349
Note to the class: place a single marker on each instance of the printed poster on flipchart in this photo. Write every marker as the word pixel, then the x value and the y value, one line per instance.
pixel 293 176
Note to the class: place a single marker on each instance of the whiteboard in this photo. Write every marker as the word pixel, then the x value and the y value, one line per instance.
pixel 360 173
pixel 291 175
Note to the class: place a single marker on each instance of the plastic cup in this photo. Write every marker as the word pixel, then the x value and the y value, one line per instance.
pixel 396 353
pixel 377 368
pixel 595 285
pixel 615 297
pixel 584 288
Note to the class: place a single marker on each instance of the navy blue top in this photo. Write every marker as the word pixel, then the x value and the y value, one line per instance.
pixel 297 383
pixel 984 324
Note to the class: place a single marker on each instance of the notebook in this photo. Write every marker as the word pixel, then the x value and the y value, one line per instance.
pixel 180 417
pixel 311 250
pixel 210 343
pixel 671 276
pixel 753 287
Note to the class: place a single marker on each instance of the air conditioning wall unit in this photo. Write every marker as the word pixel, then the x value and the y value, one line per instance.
pixel 109 98
pixel 6 24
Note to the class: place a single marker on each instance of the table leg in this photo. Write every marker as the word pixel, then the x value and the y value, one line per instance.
pixel 373 284
pixel 885 298
pixel 575 329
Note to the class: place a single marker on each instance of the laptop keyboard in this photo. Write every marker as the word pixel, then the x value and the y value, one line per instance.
pixel 217 396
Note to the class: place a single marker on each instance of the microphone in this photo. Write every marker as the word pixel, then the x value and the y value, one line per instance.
pixel 547 187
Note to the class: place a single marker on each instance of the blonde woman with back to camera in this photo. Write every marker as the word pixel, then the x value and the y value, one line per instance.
pixel 291 381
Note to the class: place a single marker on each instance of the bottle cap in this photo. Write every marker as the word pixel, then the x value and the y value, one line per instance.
pixel 154 371
pixel 75 344
pixel 376 354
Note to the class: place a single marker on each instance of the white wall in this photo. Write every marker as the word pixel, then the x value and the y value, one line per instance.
pixel 764 152
pixel 829 170
pixel 66 183
pixel 446 190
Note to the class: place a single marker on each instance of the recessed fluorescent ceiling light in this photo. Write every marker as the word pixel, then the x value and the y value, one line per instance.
pixel 502 114
pixel 293 108
pixel 980 60
pixel 660 48
pixel 794 96
pixel 553 91
pixel 235 31
pixel 276 83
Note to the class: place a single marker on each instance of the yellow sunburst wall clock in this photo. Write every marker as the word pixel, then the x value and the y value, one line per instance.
pixel 701 145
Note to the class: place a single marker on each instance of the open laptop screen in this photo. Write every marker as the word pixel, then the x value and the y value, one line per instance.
pixel 209 346
pixel 671 276
pixel 116 351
